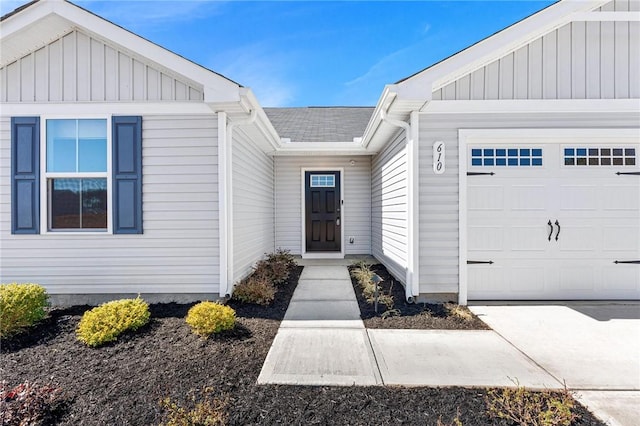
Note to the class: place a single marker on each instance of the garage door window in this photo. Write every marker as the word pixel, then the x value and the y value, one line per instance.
pixel 509 157
pixel 577 156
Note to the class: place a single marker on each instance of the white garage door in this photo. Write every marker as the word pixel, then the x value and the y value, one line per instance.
pixel 553 221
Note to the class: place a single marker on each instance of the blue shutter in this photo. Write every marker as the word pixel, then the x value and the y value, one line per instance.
pixel 127 175
pixel 25 175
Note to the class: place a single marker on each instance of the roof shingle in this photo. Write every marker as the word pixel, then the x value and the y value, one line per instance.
pixel 320 124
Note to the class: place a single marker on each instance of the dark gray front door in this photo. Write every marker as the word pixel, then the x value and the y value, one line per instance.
pixel 322 209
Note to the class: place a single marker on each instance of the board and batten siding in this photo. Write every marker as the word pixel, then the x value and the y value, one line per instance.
pixel 179 250
pixel 389 207
pixel 581 60
pixel 439 231
pixel 620 6
pixel 357 200
pixel 253 204
pixel 80 68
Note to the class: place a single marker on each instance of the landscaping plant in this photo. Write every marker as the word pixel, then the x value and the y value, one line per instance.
pixel 364 275
pixel 21 306
pixel 529 408
pixel 256 290
pixel 275 272
pixel 209 412
pixel 207 318
pixel 30 404
pixel 260 287
pixel 108 321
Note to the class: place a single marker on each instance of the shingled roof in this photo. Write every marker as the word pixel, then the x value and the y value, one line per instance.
pixel 320 124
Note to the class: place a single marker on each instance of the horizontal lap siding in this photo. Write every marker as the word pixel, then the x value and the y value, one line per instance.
pixel 581 60
pixel 78 67
pixel 357 200
pixel 389 207
pixel 439 231
pixel 179 250
pixel 253 205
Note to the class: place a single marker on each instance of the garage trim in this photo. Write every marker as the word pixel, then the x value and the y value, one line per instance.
pixel 521 136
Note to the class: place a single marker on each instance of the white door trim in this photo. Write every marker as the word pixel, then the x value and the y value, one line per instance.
pixel 303 215
pixel 497 136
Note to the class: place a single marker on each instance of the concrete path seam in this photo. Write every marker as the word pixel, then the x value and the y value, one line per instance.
pixel 375 357
pixel 561 382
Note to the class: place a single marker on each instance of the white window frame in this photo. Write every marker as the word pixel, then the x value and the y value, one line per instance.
pixel 45 176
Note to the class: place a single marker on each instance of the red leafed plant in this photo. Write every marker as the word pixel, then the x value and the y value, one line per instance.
pixel 30 404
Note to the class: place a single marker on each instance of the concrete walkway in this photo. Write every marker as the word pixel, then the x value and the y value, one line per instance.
pixel 596 350
pixel 322 341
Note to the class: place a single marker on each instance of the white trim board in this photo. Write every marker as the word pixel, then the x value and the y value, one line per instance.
pixel 519 136
pixel 303 215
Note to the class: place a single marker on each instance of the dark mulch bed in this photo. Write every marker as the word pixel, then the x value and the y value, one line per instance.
pixel 410 315
pixel 122 383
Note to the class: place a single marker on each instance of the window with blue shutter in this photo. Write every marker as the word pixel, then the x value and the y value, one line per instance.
pixel 25 175
pixel 127 175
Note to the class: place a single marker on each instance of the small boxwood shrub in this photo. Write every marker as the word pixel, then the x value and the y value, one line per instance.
pixel 256 290
pixel 108 321
pixel 207 318
pixel 21 306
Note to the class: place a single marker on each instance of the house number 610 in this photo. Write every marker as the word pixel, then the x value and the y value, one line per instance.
pixel 438 157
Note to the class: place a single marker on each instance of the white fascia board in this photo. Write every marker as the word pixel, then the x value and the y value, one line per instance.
pixel 501 44
pixel 27 17
pixel 123 108
pixel 321 148
pixel 532 105
pixel 384 103
pixel 263 122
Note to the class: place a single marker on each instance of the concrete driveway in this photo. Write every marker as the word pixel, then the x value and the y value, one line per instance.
pixel 593 347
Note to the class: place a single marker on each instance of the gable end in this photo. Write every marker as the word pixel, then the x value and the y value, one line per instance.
pixel 78 67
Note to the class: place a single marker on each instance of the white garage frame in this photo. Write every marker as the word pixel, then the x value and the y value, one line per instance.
pixel 518 136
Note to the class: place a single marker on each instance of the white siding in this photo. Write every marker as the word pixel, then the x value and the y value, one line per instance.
pixel 356 216
pixel 253 204
pixel 439 193
pixel 581 60
pixel 389 207
pixel 178 252
pixel 78 67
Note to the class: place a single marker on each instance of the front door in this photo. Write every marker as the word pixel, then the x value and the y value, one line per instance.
pixel 322 211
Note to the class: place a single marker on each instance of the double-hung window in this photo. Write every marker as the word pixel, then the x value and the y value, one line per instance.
pixel 76 174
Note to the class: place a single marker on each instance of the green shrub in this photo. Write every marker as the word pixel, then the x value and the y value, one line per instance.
pixel 254 289
pixel 21 306
pixel 209 412
pixel 528 408
pixel 106 322
pixel 30 404
pixel 207 318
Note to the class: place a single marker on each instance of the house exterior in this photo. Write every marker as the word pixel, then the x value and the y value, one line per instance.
pixel 509 171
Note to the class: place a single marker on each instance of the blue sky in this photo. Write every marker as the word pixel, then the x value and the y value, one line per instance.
pixel 303 53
